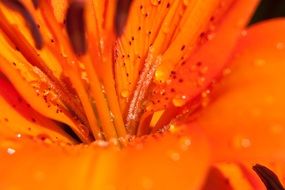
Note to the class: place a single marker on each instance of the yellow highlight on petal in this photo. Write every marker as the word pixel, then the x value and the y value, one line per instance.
pixel 156 116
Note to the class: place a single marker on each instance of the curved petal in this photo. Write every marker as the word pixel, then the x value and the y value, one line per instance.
pixel 179 158
pixel 194 75
pixel 17 117
pixel 245 121
pixel 176 160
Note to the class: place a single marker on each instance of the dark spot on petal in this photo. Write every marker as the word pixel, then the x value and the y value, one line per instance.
pixel 19 7
pixel 199 63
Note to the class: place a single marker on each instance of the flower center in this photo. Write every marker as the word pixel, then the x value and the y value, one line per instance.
pixel 85 88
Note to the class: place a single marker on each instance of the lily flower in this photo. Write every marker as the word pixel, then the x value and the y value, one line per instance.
pixel 149 94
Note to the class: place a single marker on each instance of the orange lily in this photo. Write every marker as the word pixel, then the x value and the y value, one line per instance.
pixel 182 98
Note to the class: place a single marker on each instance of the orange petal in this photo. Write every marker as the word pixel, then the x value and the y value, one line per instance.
pixel 177 160
pixel 31 164
pixel 162 161
pixel 216 180
pixel 194 76
pixel 34 72
pixel 16 115
pixel 245 120
pixel 155 28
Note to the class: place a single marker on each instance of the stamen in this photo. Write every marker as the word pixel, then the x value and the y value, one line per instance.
pixel 70 67
pixel 136 104
pixel 75 27
pixel 268 177
pixel 19 7
pixel 121 16
pixel 36 3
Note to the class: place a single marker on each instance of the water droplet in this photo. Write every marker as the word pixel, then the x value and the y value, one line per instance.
pixel 211 36
pixel 155 2
pixel 101 143
pixel 205 94
pixel 259 62
pixel 204 70
pixel 18 135
pixel 277 129
pixel 173 128
pixel 280 45
pixel 112 116
pixel 101 44
pixel 146 183
pixel 186 2
pixel 159 76
pixel 175 156
pixel 201 81
pixel 243 32
pixel 241 142
pixel 11 151
pixel 179 101
pixel 185 143
pixel 125 93
pixel 227 71
pixel 39 175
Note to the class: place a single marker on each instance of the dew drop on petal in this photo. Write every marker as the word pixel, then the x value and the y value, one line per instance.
pixel 244 32
pixel 201 81
pixel 39 175
pixel 227 71
pixel 173 128
pixel 241 142
pixel 185 143
pixel 206 93
pixel 277 129
pixel 280 45
pixel 101 143
pixel 259 62
pixel 11 151
pixel 146 183
pixel 186 2
pixel 211 36
pixel 159 76
pixel 204 70
pixel 155 2
pixel 175 156
pixel 179 100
